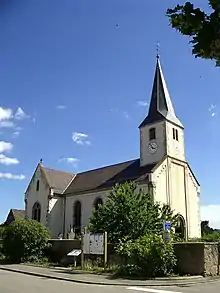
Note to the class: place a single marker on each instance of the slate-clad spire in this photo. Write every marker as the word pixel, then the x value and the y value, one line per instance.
pixel 160 105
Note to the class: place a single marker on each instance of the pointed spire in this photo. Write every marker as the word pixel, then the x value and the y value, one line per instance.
pixel 160 105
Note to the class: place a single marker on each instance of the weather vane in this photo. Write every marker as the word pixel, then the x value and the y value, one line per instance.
pixel 158 50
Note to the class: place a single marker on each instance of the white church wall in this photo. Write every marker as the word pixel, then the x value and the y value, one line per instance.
pixel 145 156
pixel 193 192
pixel 87 201
pixel 176 186
pixel 178 193
pixel 175 148
pixel 160 179
pixel 41 196
pixel 55 216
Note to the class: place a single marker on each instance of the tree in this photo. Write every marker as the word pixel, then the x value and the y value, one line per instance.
pixel 25 240
pixel 205 228
pixel 129 213
pixel 201 27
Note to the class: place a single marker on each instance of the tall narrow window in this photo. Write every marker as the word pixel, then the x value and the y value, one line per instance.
pixel 175 134
pixel 152 133
pixel 98 202
pixel 38 185
pixel 177 137
pixel 77 216
pixel 36 212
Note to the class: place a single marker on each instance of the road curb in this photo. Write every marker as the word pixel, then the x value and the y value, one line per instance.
pixel 155 284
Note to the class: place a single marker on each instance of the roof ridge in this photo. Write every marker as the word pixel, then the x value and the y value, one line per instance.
pixel 51 169
pixel 104 167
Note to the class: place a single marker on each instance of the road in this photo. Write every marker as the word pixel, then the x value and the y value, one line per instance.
pixel 20 283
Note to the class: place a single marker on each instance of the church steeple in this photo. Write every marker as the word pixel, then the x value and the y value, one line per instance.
pixel 161 107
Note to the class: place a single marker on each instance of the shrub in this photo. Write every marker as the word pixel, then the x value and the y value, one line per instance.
pixel 148 256
pixel 211 237
pixel 25 240
pixel 1 232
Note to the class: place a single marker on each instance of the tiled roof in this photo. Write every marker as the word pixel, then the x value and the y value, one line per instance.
pixel 108 176
pixel 58 180
pixel 161 107
pixel 18 214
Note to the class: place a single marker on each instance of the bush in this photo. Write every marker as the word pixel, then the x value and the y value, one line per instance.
pixel 25 240
pixel 147 256
pixel 1 231
pixel 211 237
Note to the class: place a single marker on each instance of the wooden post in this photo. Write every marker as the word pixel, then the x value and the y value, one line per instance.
pixel 105 250
pixel 82 248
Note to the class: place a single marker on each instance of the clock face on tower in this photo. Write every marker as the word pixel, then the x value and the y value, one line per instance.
pixel 152 147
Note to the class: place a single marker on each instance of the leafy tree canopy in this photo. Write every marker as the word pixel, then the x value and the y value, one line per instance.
pixel 25 240
pixel 201 27
pixel 129 213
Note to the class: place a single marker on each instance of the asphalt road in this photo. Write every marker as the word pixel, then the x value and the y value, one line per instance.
pixel 20 283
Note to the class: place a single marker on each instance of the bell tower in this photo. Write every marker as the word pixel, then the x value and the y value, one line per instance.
pixel 161 132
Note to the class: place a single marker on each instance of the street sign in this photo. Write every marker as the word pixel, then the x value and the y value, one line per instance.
pixel 75 252
pixel 167 226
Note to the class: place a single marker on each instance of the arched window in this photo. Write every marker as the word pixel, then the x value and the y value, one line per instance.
pixel 98 202
pixel 180 228
pixel 77 216
pixel 36 212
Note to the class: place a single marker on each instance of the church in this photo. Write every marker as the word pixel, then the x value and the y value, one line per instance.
pixel 64 202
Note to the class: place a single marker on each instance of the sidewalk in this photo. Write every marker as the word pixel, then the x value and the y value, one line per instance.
pixel 66 274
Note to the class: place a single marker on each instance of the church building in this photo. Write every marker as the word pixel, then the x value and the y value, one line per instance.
pixel 63 201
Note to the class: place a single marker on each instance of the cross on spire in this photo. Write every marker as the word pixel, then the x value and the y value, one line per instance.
pixel 158 50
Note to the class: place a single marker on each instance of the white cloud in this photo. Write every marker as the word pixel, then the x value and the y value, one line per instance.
pixel 212 109
pixel 125 114
pixel 80 138
pixel 10 176
pixel 5 114
pixel 20 114
pixel 211 213
pixel 15 134
pixel 61 107
pixel 5 146
pixel 142 103
pixel 8 161
pixel 72 161
pixel 7 124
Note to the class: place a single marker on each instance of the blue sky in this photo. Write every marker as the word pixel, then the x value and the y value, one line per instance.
pixel 84 66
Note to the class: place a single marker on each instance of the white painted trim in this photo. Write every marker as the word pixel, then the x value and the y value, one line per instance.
pixel 150 290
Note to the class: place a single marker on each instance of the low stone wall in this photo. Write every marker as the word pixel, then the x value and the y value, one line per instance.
pixel 198 258
pixel 192 258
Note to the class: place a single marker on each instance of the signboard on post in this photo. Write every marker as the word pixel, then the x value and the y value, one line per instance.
pixel 93 244
pixel 167 226
pixel 75 252
pixel 166 231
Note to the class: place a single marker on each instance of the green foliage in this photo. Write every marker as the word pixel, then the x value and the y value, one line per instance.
pixel 202 28
pixel 205 228
pixel 211 237
pixel 1 231
pixel 129 212
pixel 25 240
pixel 147 256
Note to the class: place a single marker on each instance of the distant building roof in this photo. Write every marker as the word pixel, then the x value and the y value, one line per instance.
pixel 13 215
